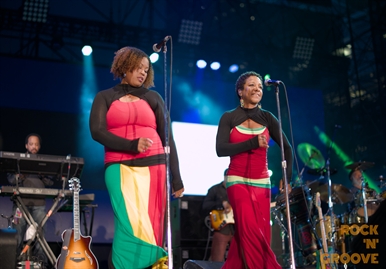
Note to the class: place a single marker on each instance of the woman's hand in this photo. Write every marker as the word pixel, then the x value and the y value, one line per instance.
pixel 263 142
pixel 281 186
pixel 144 144
pixel 179 193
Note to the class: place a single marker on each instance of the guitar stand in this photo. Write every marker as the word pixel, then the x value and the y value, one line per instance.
pixel 38 227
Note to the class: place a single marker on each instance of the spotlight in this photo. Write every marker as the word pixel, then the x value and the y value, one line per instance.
pixel 215 65
pixel 35 10
pixel 233 68
pixel 201 64
pixel 154 57
pixel 87 50
pixel 190 32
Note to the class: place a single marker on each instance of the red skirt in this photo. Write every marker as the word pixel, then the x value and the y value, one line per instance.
pixel 250 247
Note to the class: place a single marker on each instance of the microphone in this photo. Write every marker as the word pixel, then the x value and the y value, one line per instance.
pixel 270 82
pixel 157 46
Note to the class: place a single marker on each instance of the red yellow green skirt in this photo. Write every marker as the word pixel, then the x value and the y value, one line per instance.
pixel 138 198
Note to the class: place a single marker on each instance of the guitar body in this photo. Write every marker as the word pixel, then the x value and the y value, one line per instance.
pixel 220 219
pixel 76 254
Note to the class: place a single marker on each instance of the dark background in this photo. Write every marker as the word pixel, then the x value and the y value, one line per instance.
pixel 47 86
pixel 336 91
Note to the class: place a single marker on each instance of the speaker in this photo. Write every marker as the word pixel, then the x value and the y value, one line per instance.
pixel 192 264
pixel 8 247
pixel 183 254
pixel 187 220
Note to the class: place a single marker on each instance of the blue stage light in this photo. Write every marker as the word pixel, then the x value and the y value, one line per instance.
pixel 86 50
pixel 201 64
pixel 154 57
pixel 233 68
pixel 215 65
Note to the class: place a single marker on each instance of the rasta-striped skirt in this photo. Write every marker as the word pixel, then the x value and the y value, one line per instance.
pixel 138 198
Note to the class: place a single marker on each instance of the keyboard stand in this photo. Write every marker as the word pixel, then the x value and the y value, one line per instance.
pixel 38 227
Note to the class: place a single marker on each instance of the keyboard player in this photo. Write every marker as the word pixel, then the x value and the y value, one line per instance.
pixel 35 206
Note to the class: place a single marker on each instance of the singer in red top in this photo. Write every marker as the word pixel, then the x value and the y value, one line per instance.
pixel 243 134
pixel 129 120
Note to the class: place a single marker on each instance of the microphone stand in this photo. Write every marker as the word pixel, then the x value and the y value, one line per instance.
pixel 330 205
pixel 286 191
pixel 167 155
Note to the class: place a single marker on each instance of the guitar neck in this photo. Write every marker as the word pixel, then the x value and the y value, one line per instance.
pixel 323 230
pixel 76 215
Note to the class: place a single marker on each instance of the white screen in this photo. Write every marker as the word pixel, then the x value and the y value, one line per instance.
pixel 196 146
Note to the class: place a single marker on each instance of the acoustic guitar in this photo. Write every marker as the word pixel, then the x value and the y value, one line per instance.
pixel 75 252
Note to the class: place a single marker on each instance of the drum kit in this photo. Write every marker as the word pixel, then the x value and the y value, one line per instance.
pixel 360 205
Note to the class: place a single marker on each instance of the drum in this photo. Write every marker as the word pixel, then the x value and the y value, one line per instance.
pixel 298 206
pixel 382 195
pixel 354 217
pixel 372 202
pixel 331 230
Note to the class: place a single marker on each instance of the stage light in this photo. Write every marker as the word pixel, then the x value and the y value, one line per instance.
pixel 35 10
pixel 303 48
pixel 154 57
pixel 233 68
pixel 201 64
pixel 190 32
pixel 87 50
pixel 215 65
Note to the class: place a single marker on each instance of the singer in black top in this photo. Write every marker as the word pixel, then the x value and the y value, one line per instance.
pixel 243 135
pixel 129 121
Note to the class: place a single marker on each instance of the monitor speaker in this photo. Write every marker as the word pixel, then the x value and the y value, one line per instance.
pixel 195 264
pixel 8 247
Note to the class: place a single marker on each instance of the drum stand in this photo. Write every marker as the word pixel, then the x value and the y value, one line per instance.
pixel 330 205
pixel 363 192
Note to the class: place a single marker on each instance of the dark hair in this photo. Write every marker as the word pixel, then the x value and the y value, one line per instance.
pixel 33 134
pixel 240 82
pixel 129 59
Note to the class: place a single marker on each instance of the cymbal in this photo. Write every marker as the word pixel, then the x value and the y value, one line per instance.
pixel 314 185
pixel 310 156
pixel 321 172
pixel 339 193
pixel 360 165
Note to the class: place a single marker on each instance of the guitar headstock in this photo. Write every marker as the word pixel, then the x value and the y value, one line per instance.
pixel 74 184
pixel 317 200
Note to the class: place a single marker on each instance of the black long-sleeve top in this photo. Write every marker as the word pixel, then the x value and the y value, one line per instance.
pixel 214 198
pixel 235 117
pixel 99 132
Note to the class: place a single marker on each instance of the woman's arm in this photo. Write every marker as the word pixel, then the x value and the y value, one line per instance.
pixel 98 127
pixel 223 146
